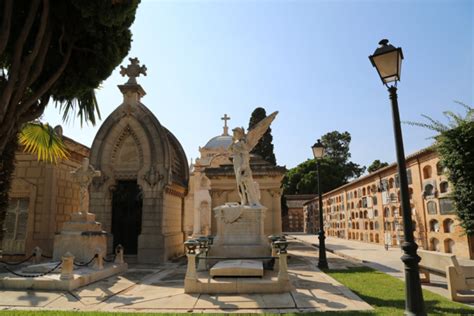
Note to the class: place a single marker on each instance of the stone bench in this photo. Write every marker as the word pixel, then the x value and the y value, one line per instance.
pixel 460 279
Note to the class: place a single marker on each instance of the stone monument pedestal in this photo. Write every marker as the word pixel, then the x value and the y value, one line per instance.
pixel 240 231
pixel 81 236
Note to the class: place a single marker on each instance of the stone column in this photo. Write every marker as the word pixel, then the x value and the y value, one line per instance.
pixel 283 270
pixel 197 221
pixel 191 270
pixel 67 267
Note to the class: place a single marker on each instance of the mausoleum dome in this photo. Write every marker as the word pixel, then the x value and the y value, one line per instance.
pixel 221 141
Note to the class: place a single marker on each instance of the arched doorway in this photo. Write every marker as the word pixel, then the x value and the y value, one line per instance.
pixel 127 204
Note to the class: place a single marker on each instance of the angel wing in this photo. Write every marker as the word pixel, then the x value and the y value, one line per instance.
pixel 254 135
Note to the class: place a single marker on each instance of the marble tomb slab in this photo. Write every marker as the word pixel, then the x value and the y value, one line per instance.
pixel 244 268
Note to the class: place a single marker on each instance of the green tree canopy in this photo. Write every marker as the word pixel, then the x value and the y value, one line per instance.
pixel 60 51
pixel 376 165
pixel 455 145
pixel 264 148
pixel 55 51
pixel 336 169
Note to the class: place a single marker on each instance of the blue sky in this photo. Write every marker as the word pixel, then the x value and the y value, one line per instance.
pixel 306 59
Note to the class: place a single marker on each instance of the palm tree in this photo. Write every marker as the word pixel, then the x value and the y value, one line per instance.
pixel 43 141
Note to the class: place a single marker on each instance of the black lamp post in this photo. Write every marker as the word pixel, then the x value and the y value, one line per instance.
pixel 318 152
pixel 388 61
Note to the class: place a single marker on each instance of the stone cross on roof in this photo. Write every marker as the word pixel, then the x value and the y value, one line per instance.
pixel 133 70
pixel 226 128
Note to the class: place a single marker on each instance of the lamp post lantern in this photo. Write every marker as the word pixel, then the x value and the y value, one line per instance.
pixel 318 152
pixel 388 61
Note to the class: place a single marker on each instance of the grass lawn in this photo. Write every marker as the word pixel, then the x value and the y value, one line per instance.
pixel 385 293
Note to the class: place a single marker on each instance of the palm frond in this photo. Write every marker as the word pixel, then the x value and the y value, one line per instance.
pixel 41 140
pixel 464 105
pixel 85 107
pixel 436 125
pixel 454 118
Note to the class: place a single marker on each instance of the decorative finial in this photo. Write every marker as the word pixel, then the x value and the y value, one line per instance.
pixel 226 128
pixel 383 42
pixel 133 70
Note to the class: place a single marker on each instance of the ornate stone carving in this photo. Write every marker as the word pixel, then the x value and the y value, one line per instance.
pixel 153 177
pixel 133 70
pixel 118 155
pixel 98 182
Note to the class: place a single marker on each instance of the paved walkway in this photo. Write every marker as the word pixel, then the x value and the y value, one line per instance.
pixel 160 289
pixel 376 257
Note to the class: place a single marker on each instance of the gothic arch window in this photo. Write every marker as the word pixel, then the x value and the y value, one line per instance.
pixel 429 190
pixel 427 172
pixel 434 226
pixel 386 212
pixel 449 245
pixel 128 152
pixel 448 225
pixel 434 244
pixel 439 168
pixel 363 191
pixel 443 187
pixel 376 226
pixel 376 213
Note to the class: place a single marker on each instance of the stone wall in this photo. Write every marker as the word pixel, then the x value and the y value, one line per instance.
pixel 368 209
pixel 47 194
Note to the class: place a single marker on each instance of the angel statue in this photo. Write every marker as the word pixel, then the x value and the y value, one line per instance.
pixel 242 145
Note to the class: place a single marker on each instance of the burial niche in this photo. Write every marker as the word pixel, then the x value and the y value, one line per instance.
pixel 127 204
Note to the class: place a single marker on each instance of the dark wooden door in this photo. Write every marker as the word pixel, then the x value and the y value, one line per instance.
pixel 127 215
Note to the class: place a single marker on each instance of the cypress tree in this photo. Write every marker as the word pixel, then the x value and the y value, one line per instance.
pixel 264 148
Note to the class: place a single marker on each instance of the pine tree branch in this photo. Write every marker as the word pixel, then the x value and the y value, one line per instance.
pixel 14 71
pixel 28 61
pixel 48 84
pixel 6 25
pixel 35 111
pixel 39 63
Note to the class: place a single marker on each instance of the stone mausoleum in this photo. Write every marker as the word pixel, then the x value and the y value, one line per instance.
pixel 138 199
pixel 212 183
